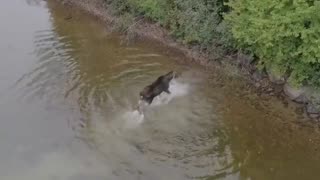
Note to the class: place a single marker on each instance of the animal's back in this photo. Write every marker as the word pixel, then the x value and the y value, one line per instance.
pixel 161 84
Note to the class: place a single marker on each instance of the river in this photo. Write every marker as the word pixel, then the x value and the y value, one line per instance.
pixel 68 89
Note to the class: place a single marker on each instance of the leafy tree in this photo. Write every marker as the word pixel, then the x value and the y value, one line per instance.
pixel 284 34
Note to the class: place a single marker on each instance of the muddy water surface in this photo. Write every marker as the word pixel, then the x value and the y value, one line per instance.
pixel 68 89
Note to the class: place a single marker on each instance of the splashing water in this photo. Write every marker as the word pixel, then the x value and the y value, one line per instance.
pixel 133 119
pixel 177 89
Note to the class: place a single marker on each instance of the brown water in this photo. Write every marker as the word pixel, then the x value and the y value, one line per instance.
pixel 68 89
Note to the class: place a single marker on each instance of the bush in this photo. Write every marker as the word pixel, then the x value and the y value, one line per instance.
pixel 285 35
pixel 156 10
pixel 194 22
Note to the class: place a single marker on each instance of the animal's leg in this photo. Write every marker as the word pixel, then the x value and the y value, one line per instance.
pixel 167 91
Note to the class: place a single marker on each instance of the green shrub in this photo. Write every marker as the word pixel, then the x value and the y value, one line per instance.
pixel 124 23
pixel 118 7
pixel 285 35
pixel 197 22
pixel 156 10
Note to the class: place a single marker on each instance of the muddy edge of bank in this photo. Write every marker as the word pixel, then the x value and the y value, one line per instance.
pixel 264 82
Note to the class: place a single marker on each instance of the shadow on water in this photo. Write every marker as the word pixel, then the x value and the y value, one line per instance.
pixel 212 126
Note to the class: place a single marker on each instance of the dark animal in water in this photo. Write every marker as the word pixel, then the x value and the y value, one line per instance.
pixel 157 87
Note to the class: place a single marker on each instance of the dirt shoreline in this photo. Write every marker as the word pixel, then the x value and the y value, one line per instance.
pixel 265 83
pixel 143 29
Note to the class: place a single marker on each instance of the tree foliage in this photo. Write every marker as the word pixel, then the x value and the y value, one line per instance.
pixel 285 35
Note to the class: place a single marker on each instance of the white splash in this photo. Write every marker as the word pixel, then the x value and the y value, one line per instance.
pixel 133 119
pixel 176 89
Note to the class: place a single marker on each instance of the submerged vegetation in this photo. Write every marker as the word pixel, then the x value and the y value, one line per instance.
pixel 283 35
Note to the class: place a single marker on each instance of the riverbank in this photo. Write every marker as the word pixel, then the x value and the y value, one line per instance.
pixel 268 83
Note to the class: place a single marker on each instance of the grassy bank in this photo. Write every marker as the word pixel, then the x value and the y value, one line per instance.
pixel 196 23
pixel 284 36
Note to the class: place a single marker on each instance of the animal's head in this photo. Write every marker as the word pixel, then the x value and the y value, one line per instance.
pixel 171 75
pixel 176 74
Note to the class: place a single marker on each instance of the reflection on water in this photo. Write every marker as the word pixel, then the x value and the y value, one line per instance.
pixel 68 104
